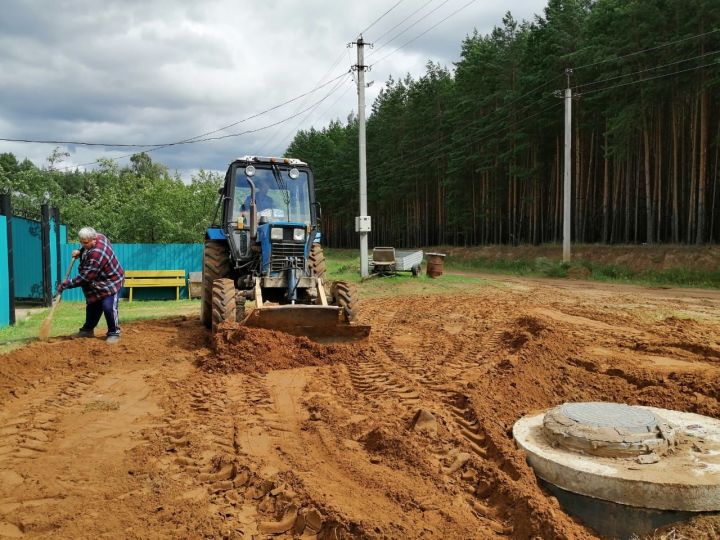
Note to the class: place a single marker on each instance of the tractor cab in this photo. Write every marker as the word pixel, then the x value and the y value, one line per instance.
pixel 269 215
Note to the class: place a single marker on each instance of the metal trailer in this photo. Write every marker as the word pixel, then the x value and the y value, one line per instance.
pixel 388 260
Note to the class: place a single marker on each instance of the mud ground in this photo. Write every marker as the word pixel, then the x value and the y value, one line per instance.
pixel 256 434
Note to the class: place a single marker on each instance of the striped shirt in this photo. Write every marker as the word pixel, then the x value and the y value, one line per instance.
pixel 100 273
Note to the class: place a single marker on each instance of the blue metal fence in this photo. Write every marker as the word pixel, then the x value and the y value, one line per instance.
pixel 187 257
pixel 27 258
pixel 4 274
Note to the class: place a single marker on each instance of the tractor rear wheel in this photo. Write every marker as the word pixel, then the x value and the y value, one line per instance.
pixel 216 265
pixel 342 296
pixel 223 302
pixel 317 260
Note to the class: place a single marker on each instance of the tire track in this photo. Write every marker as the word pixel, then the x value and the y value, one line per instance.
pixel 28 434
pixel 216 440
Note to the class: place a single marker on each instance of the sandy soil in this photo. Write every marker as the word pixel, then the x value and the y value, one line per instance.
pixel 255 434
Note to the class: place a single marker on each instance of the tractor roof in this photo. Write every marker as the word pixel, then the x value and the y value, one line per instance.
pixel 264 159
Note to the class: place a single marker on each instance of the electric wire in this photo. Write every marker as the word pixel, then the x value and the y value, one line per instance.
pixel 373 177
pixel 272 137
pixel 304 120
pixel 425 32
pixel 377 40
pixel 522 110
pixel 647 69
pixel 184 141
pixel 381 16
pixel 650 78
pixel 489 119
pixel 453 145
pixel 375 51
pixel 458 143
pixel 220 137
pixel 661 46
pixel 468 140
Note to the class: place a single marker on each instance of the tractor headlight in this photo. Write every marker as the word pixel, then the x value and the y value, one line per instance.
pixel 276 233
pixel 299 235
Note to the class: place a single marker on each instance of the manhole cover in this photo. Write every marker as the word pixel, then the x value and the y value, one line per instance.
pixel 610 415
pixel 607 429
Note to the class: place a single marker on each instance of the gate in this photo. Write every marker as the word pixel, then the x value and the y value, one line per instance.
pixel 30 254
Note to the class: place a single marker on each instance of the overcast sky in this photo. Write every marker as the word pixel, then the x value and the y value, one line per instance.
pixel 153 72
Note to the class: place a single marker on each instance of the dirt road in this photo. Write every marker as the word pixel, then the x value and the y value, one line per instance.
pixel 259 434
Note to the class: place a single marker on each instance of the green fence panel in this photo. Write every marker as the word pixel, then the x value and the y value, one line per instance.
pixel 4 275
pixel 187 257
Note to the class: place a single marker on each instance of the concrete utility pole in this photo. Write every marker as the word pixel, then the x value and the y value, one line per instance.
pixel 362 222
pixel 567 189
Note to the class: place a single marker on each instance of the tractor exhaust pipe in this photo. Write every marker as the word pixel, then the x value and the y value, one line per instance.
pixel 253 209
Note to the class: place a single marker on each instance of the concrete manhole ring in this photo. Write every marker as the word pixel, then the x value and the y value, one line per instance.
pixel 602 461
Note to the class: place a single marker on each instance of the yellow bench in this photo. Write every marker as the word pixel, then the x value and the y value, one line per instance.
pixel 155 278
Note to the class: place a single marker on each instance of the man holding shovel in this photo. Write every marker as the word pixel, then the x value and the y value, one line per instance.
pixel 101 278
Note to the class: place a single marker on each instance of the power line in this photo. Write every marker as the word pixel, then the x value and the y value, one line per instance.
pixel 488 117
pixel 425 32
pixel 454 145
pixel 650 78
pixel 270 139
pixel 375 51
pixel 649 49
pixel 194 141
pixel 648 69
pixel 381 16
pixel 416 154
pixel 469 140
pixel 184 141
pixel 312 110
pixel 400 23
pixel 273 136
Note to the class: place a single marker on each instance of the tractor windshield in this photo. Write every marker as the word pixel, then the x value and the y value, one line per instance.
pixel 278 197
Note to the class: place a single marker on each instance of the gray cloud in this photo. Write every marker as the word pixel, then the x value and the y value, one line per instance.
pixel 149 72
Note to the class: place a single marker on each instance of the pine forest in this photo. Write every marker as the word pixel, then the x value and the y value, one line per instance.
pixel 473 154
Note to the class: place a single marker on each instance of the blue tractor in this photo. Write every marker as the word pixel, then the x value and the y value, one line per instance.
pixel 265 252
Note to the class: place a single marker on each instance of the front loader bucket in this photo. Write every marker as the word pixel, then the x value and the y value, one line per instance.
pixel 317 322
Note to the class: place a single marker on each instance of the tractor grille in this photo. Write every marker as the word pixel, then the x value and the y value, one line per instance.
pixel 282 251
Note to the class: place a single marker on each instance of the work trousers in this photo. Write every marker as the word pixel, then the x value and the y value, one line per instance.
pixel 107 305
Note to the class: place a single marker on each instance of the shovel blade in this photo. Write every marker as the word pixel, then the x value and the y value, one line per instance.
pixel 323 323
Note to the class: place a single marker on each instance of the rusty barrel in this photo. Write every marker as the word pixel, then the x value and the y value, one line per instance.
pixel 435 263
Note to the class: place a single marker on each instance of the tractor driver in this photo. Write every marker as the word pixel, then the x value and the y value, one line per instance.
pixel 263 201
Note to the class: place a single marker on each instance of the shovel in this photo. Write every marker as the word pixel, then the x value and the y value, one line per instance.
pixel 47 323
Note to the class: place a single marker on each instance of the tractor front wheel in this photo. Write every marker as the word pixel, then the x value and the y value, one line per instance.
pixel 342 296
pixel 317 260
pixel 223 302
